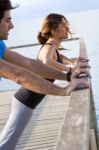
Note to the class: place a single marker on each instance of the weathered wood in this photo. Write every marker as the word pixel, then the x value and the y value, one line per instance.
pixel 93 145
pixel 83 51
pixel 74 132
pixel 93 121
pixel 43 128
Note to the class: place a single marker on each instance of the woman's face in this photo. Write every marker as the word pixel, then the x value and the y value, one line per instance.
pixel 62 30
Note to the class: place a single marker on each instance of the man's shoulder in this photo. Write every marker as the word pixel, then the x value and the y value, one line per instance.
pixel 2 49
pixel 2 45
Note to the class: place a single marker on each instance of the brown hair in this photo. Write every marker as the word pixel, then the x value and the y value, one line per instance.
pixel 51 21
pixel 5 5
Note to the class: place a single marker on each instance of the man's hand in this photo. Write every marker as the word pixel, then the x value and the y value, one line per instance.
pixel 80 72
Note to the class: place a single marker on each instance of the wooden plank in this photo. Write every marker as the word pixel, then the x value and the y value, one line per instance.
pixel 93 121
pixel 74 133
pixel 93 145
pixel 83 51
pixel 77 122
pixel 43 128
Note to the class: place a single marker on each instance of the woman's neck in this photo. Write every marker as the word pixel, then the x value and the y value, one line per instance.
pixel 54 41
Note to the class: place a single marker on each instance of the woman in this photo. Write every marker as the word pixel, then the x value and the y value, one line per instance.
pixel 55 29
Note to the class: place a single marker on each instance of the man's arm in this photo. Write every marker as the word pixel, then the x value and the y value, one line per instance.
pixel 37 84
pixel 34 66
pixel 29 80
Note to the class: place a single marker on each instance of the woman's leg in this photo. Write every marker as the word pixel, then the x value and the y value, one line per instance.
pixel 18 119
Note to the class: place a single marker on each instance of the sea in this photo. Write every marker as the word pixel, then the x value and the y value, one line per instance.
pixel 83 24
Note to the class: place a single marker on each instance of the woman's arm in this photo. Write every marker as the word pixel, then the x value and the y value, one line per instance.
pixel 66 60
pixel 57 65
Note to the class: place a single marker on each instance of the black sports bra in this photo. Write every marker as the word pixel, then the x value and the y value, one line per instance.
pixel 29 98
pixel 58 57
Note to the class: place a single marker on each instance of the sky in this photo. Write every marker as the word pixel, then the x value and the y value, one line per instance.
pixel 31 9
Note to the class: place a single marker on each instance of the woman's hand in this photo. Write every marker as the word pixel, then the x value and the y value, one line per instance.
pixel 81 59
pixel 81 64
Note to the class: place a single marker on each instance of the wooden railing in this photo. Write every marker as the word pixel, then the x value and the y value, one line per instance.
pixel 79 129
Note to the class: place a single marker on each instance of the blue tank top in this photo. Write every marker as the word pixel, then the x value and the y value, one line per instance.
pixel 2 49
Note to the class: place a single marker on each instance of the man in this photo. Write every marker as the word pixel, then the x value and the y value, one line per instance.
pixel 23 70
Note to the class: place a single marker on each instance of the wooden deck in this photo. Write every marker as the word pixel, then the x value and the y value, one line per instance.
pixel 53 123
pixel 44 126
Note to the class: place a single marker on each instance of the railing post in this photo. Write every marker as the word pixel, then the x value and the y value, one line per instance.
pixel 93 121
pixel 80 120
